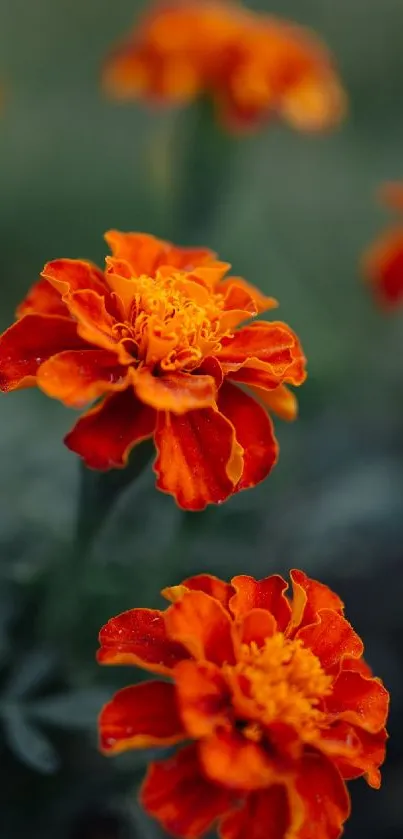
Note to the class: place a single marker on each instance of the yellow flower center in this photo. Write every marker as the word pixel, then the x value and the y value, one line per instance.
pixel 285 682
pixel 175 322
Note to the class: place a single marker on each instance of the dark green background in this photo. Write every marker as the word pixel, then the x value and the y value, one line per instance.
pixel 292 213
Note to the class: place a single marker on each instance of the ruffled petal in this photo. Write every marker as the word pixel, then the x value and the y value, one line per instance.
pixel 139 637
pixel 331 638
pixel 323 798
pixel 180 797
pixel 231 759
pixel 203 697
pixel 42 299
pixel 268 594
pixel 359 665
pixel 254 432
pixel 367 757
pixel 268 342
pixel 203 626
pixel 176 392
pixel 263 815
pixel 309 596
pixel 239 294
pixel 146 253
pixel 256 626
pixel 199 460
pixel 94 323
pixel 140 716
pixel 280 401
pixel 358 700
pixel 105 435
pixel 208 583
pixel 31 341
pixel 77 377
pixel 69 275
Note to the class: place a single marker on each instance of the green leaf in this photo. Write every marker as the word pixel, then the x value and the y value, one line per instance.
pixel 76 710
pixel 28 743
pixel 30 673
pixel 99 491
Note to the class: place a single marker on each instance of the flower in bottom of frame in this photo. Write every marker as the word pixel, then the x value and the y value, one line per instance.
pixel 273 694
pixel 156 341
pixel 251 65
pixel 383 260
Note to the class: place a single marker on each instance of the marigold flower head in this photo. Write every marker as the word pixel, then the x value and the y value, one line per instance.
pixel 155 339
pixel 273 693
pixel 383 261
pixel 251 65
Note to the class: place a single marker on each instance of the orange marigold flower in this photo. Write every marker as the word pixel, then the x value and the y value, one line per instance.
pixel 154 338
pixel 383 261
pixel 251 65
pixel 274 695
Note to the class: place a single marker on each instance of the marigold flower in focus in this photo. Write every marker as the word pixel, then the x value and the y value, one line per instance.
pixel 383 261
pixel 155 338
pixel 251 65
pixel 273 694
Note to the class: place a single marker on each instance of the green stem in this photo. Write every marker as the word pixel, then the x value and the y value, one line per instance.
pixel 202 161
pixel 99 491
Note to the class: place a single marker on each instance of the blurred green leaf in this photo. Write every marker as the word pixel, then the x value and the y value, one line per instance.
pixel 28 743
pixel 75 710
pixel 30 673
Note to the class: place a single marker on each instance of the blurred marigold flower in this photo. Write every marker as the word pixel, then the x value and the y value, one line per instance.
pixel 273 691
pixel 383 261
pixel 155 339
pixel 252 65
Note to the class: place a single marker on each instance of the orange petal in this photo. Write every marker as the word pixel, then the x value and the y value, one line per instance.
pixel 366 759
pixel 199 461
pixel 323 796
pixel 140 716
pixel 331 638
pixel 69 275
pixel 77 377
pixel 139 637
pixel 121 282
pixel 31 341
pixel 231 759
pixel 105 435
pixel 203 697
pixel 176 392
pixel 142 251
pixel 254 432
pixel 280 401
pixel 268 594
pixel 42 299
pixel 383 267
pixel 269 342
pixel 314 103
pixel 357 664
pixel 240 294
pixel 95 323
pixel 211 585
pixel 125 75
pixel 210 366
pixel 180 797
pixel 146 253
pixel 361 701
pixel 256 626
pixel 202 625
pixel 263 815
pixel 309 596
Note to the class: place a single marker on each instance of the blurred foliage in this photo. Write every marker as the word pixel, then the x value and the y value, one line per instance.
pixel 293 214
